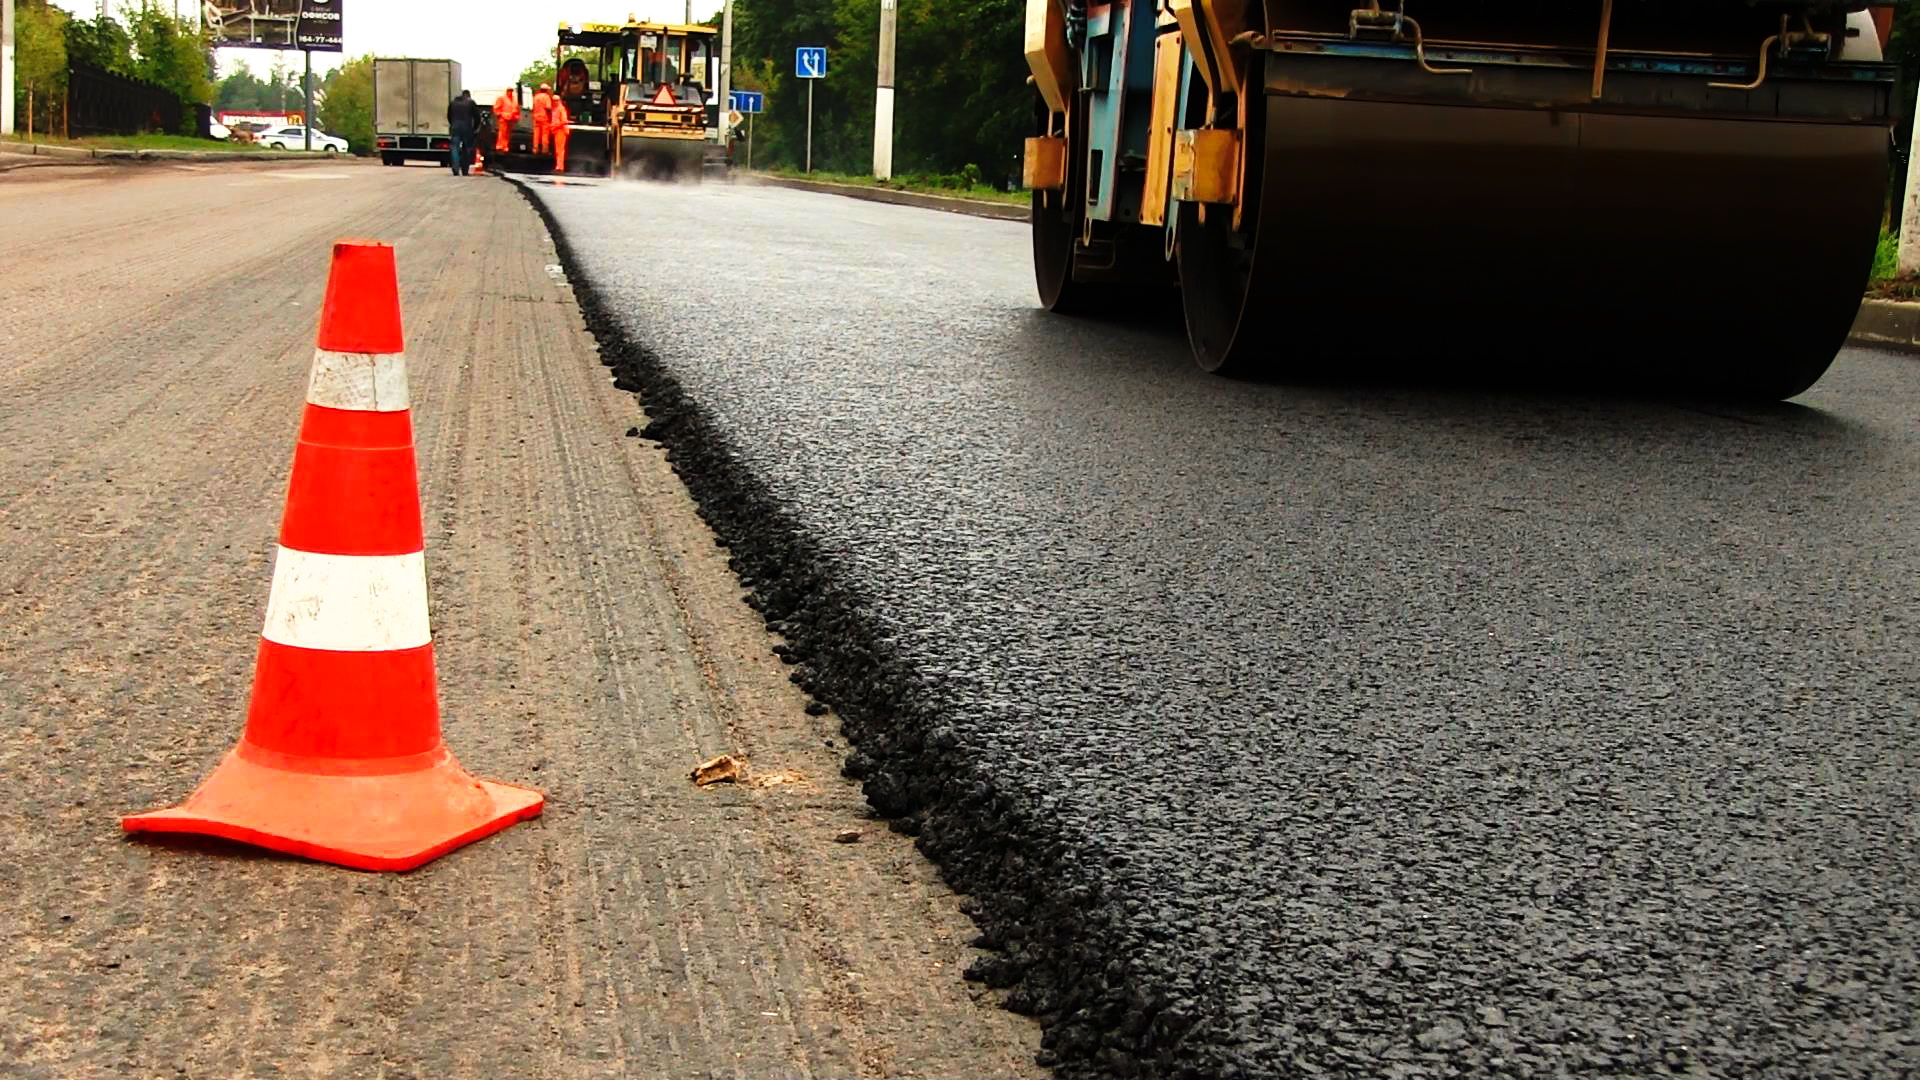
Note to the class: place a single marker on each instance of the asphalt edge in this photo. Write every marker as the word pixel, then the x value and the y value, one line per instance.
pixel 972 207
pixel 1058 948
pixel 86 153
pixel 1887 324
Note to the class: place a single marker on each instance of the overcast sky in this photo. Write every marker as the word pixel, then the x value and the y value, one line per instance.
pixel 492 39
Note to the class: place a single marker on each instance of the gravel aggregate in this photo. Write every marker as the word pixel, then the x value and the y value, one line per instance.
pixel 1370 727
pixel 588 640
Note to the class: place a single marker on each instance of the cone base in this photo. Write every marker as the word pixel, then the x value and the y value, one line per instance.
pixel 391 822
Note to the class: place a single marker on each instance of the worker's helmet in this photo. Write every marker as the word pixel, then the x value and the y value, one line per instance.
pixel 544 86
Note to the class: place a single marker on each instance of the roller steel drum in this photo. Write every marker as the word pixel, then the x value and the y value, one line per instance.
pixel 1723 254
pixel 651 158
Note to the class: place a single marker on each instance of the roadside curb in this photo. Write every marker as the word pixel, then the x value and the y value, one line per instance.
pixel 1887 324
pixel 972 207
pixel 8 146
pixel 87 153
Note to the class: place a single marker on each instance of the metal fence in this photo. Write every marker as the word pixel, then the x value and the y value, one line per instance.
pixel 102 103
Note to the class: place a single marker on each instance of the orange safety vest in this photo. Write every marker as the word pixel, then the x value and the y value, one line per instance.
pixel 506 109
pixel 542 105
pixel 558 117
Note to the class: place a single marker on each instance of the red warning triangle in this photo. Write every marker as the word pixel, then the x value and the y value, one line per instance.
pixel 664 96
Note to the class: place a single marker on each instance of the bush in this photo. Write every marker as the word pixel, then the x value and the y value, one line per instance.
pixel 1886 257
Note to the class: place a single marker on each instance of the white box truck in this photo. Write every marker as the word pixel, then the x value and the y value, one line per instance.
pixel 410 98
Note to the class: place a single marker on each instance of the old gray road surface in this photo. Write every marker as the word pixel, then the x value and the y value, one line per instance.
pixel 155 336
pixel 1363 728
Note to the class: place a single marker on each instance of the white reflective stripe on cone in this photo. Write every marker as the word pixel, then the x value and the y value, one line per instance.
pixel 364 382
pixel 348 603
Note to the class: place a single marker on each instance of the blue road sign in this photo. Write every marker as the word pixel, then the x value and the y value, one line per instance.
pixel 748 102
pixel 810 62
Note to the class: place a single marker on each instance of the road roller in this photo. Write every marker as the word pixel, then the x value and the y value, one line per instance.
pixel 638 96
pixel 1665 193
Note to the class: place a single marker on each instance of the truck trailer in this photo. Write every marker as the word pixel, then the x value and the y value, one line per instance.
pixel 1672 193
pixel 410 98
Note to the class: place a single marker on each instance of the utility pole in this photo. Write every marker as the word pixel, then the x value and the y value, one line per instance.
pixel 883 96
pixel 306 122
pixel 726 69
pixel 213 66
pixel 6 67
pixel 1909 257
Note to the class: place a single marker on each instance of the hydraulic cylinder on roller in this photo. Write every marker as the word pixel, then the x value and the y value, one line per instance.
pixel 1677 193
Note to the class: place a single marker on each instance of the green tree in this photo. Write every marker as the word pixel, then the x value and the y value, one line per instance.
pixel 974 106
pixel 243 92
pixel 1903 48
pixel 153 47
pixel 170 54
pixel 347 109
pixel 40 64
pixel 960 94
pixel 100 42
pixel 765 33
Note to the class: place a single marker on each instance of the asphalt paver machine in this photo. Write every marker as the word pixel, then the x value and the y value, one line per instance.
pixel 639 98
pixel 1681 189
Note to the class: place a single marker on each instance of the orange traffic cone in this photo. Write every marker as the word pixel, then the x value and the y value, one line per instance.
pixel 479 159
pixel 342 759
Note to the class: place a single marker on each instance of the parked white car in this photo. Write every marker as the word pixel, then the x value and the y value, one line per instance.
pixel 217 130
pixel 293 138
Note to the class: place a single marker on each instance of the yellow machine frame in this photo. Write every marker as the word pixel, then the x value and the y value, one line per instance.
pixel 650 119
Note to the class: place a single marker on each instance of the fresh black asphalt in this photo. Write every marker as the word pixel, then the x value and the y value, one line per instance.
pixel 1370 729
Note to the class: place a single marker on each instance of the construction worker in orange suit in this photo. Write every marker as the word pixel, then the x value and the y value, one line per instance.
pixel 506 109
pixel 558 120
pixel 542 107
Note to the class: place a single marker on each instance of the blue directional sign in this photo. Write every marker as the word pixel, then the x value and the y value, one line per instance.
pixel 747 102
pixel 810 62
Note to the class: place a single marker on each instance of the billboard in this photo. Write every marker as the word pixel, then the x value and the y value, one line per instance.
pixel 273 24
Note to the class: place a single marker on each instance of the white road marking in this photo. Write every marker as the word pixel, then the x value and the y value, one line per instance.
pixel 269 177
